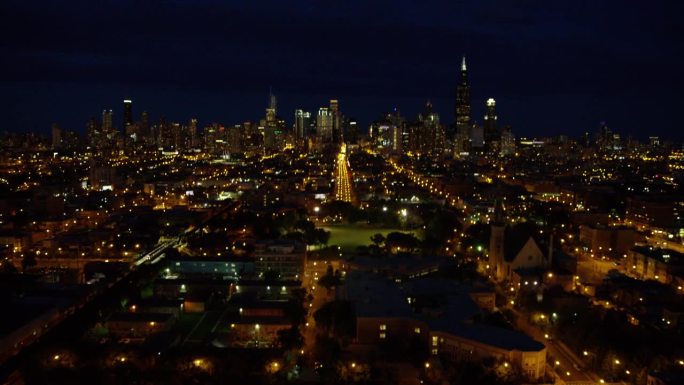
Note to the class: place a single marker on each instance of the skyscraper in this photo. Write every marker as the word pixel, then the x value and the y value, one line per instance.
pixel 107 125
pixel 270 124
pixel 507 146
pixel 429 133
pixel 462 111
pixel 302 124
pixel 336 120
pixel 127 112
pixel 56 136
pixel 192 133
pixel 351 131
pixel 93 133
pixel 491 130
pixel 324 125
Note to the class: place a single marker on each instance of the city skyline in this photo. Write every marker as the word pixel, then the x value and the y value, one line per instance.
pixel 553 69
pixel 341 192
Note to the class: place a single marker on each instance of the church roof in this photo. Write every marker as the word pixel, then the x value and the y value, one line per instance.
pixel 515 238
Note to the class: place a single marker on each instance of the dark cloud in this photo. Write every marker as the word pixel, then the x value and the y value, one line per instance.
pixel 558 66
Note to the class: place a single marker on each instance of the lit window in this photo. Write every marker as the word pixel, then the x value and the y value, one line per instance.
pixel 383 327
pixel 417 330
pixel 383 336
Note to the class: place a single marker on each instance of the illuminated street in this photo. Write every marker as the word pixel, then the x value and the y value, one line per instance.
pixel 343 177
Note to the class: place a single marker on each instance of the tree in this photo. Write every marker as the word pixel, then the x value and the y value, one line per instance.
pixel 377 239
pixel 330 279
pixel 322 236
pixel 337 318
pixel 327 350
pixel 290 338
pixel 401 242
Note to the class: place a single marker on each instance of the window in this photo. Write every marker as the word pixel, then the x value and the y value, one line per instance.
pixel 383 327
pixel 435 351
pixel 383 336
pixel 416 330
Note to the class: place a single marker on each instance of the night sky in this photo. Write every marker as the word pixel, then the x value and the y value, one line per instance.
pixel 554 67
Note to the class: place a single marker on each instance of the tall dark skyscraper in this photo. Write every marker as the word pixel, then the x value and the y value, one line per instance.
pixel 127 113
pixel 337 120
pixel 491 130
pixel 56 136
pixel 462 110
pixel 273 134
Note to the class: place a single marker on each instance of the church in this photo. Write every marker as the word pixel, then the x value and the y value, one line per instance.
pixel 513 247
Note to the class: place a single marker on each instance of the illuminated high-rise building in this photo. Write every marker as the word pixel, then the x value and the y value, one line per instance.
pixel 192 133
pixel 176 135
pixel 507 143
pixel 270 126
pixel 491 130
pixel 337 134
pixel 127 112
pixel 426 136
pixel 324 126
pixel 107 124
pixel 234 139
pixel 462 111
pixel 302 128
pixel 302 124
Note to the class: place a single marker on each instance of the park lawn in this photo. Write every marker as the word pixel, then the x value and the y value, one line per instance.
pixel 349 237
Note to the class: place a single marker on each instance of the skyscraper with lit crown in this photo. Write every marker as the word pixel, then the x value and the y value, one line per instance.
pixel 491 129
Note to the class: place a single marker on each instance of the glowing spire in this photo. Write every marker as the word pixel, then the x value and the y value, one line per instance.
pixel 463 64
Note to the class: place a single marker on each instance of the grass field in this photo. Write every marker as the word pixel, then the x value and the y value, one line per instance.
pixel 349 237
